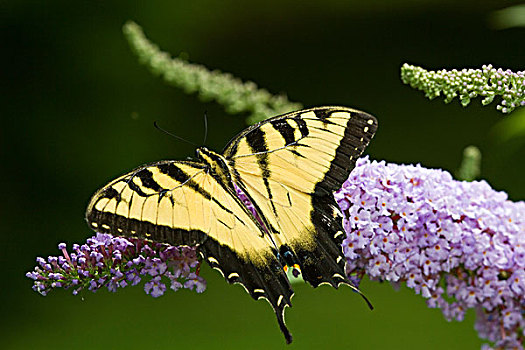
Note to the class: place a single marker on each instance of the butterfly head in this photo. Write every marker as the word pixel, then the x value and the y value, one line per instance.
pixel 215 162
pixel 207 156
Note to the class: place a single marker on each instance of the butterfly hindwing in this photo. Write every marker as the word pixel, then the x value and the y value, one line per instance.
pixel 289 166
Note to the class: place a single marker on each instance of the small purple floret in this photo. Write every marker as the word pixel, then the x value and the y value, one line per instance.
pixel 155 287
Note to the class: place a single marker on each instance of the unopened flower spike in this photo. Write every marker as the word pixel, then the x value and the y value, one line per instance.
pixel 466 84
pixel 234 94
pixel 469 169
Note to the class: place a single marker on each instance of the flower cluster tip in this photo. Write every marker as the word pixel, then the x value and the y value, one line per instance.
pixel 117 262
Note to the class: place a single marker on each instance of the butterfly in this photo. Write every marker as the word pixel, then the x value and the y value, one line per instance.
pixel 286 168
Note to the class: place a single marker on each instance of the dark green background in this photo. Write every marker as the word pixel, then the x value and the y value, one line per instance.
pixel 77 111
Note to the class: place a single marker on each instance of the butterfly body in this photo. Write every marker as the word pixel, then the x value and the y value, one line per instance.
pixel 216 164
pixel 287 167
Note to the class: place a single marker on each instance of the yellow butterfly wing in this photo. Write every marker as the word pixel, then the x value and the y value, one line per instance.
pixel 289 167
pixel 180 203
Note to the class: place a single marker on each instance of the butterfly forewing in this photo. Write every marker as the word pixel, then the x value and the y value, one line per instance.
pixel 290 166
pixel 180 203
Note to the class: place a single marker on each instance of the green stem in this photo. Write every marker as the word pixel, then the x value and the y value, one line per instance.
pixel 470 167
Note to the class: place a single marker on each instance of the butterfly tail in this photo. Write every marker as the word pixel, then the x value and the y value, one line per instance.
pixel 282 326
pixel 262 281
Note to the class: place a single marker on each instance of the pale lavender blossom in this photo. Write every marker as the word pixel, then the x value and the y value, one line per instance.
pixel 458 244
pixel 195 282
pixel 155 287
pixel 116 262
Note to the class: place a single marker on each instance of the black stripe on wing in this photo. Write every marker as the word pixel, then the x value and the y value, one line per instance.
pixel 257 142
pixel 359 130
pixel 322 261
pixel 326 215
pixel 285 129
pixel 124 226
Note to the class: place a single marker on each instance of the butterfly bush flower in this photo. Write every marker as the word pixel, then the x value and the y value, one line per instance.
pixel 460 245
pixel 116 262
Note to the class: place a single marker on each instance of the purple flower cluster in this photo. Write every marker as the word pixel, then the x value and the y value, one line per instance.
pixel 459 244
pixel 117 262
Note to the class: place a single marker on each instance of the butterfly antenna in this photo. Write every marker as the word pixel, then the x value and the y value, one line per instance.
pixel 173 135
pixel 205 127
